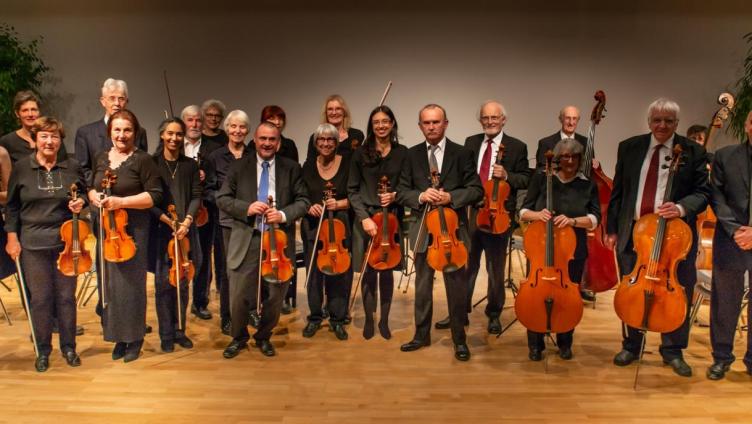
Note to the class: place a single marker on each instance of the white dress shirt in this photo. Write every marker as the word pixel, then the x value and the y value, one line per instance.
pixel 664 160
pixel 439 153
pixel 496 143
pixel 272 180
pixel 191 149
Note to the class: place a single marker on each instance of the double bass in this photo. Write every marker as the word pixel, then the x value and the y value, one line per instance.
pixel 651 297
pixel 387 254
pixel 74 259
pixel 118 246
pixel 548 301
pixel 600 272
pixel 493 217
pixel 274 266
pixel 445 252
pixel 333 257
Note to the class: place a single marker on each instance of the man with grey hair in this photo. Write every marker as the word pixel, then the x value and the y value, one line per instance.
pixel 569 117
pixel 212 112
pixel 640 183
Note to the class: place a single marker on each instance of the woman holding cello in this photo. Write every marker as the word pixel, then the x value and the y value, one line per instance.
pixel 575 199
pixel 182 189
pixel 326 181
pixel 381 157
pixel 38 205
pixel 135 188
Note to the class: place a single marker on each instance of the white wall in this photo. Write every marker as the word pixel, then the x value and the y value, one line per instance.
pixel 533 58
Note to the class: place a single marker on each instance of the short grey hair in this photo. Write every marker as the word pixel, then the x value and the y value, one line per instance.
pixel 433 106
pixel 663 105
pixel 191 110
pixel 213 103
pixel 237 115
pixel 326 129
pixel 492 102
pixel 114 84
pixel 568 145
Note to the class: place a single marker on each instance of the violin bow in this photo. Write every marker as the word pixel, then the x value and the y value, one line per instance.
pixel 360 276
pixel 313 250
pixel 167 88
pixel 178 264
pixel 22 288
pixel 100 247
pixel 386 92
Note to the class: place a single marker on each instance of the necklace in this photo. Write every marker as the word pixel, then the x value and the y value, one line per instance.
pixel 172 172
pixel 326 168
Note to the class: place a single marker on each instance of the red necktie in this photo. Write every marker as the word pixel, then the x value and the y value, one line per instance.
pixel 651 184
pixel 485 163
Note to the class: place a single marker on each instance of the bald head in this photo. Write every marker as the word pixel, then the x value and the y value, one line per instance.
pixel 569 116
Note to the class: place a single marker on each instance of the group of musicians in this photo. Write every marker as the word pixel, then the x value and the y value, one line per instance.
pixel 248 188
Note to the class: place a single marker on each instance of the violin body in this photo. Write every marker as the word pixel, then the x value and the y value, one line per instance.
pixel 548 302
pixel 333 257
pixel 650 297
pixel 446 252
pixel 706 222
pixel 118 245
pixel 186 271
pixel 74 259
pixel 600 269
pixel 386 253
pixel 202 216
pixel 493 217
pixel 275 267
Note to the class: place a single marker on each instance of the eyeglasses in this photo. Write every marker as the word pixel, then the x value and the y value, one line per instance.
pixel 569 157
pixel 213 115
pixel 329 139
pixel 667 121
pixel 384 123
pixel 486 119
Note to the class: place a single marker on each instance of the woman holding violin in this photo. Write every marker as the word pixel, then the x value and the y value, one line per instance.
pixel 336 112
pixel 326 182
pixel 182 190
pixel 38 205
pixel 381 156
pixel 136 188
pixel 575 199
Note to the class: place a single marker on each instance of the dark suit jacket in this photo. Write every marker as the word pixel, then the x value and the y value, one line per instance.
pixel 92 139
pixel 458 177
pixel 240 190
pixel 514 162
pixel 690 187
pixel 548 143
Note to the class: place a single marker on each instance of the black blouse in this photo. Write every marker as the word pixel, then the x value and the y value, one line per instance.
pixel 364 178
pixel 315 185
pixel 38 201
pixel 19 148
pixel 181 186
pixel 135 175
pixel 218 164
pixel 220 138
pixel 345 147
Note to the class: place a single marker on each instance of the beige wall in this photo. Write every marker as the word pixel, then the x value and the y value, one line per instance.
pixel 534 59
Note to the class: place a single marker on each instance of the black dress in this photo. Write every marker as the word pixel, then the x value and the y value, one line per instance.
pixel 19 148
pixel 124 317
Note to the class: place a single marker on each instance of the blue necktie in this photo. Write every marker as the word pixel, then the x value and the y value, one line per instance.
pixel 263 191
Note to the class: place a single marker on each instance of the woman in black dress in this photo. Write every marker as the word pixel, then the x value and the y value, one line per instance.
pixel 182 188
pixel 38 205
pixel 333 168
pixel 20 143
pixel 381 155
pixel 136 190
pixel 576 201
pixel 336 112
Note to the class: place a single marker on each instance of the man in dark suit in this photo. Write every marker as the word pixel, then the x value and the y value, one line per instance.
pixel 569 116
pixel 639 187
pixel 243 197
pixel 514 170
pixel 460 187
pixel 732 251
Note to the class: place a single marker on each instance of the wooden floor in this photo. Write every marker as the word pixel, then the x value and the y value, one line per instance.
pixel 358 381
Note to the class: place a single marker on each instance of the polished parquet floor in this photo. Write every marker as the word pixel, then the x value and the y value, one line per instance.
pixel 358 381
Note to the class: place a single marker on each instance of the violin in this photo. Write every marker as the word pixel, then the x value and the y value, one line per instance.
pixel 275 267
pixel 446 252
pixel 333 257
pixel 548 301
pixel 179 249
pixel 600 272
pixel 388 253
pixel 118 246
pixel 650 297
pixel 74 259
pixel 202 216
pixel 493 217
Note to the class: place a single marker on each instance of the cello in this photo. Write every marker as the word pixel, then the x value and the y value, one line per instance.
pixel 548 301
pixel 600 272
pixel 650 298
pixel 118 246
pixel 493 217
pixel 332 258
pixel 74 259
pixel 388 253
pixel 445 252
pixel 182 267
pixel 274 266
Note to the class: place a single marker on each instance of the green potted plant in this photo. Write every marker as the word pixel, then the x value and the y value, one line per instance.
pixel 743 96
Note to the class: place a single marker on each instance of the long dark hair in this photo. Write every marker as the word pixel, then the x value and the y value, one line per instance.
pixel 370 154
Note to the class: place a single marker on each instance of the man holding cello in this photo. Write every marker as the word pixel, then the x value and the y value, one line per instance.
pixel 639 189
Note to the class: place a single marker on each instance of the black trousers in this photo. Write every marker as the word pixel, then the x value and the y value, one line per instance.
pixel 202 281
pixel 336 288
pixel 725 307
pixel 166 300
pixel 495 246
pixel 220 266
pixel 50 291
pixel 456 290
pixel 378 285
pixel 674 342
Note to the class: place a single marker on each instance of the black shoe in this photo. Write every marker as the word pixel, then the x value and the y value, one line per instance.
pixel 266 347
pixel 201 312
pixel 184 342
pixel 168 346
pixel 72 358
pixel 414 345
pixel 565 353
pixel 226 326
pixel 718 370
pixel 233 348
pixel 443 324
pixel 133 351
pixel 254 320
pixel 286 307
pixel 587 295
pixel 339 331
pixel 311 328
pixel 461 352
pixel 384 330
pixel 494 325
pixel 42 363
pixel 119 350
pixel 79 330
pixel 624 358
pixel 680 367
pixel 535 355
pixel 368 327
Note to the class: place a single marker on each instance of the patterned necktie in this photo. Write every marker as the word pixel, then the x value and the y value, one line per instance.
pixel 651 183
pixel 432 162
pixel 263 191
pixel 485 163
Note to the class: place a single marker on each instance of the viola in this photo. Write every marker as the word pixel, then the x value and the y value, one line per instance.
pixel 651 297
pixel 493 217
pixel 179 249
pixel 275 267
pixel 333 257
pixel 118 246
pixel 600 272
pixel 74 259
pixel 548 301
pixel 387 253
pixel 446 252
pixel 202 216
